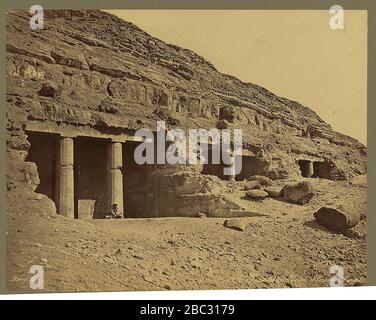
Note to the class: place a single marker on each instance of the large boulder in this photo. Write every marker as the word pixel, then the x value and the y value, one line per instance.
pixel 250 185
pixel 274 192
pixel 256 194
pixel 338 217
pixel 300 192
pixel 264 181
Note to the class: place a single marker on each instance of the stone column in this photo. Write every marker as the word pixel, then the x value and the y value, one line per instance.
pixel 310 169
pixel 115 175
pixel 231 167
pixel 65 181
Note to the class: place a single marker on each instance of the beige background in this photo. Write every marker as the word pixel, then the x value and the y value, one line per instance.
pixel 292 53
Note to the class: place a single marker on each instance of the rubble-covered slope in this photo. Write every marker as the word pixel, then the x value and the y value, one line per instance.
pixel 90 68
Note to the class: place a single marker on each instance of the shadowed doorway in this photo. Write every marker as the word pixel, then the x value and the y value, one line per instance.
pixel 90 178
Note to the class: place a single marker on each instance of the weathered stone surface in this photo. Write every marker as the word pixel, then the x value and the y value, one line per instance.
pixel 110 75
pixel 274 192
pixel 235 224
pixel 337 217
pixel 300 192
pixel 250 185
pixel 183 191
pixel 108 106
pixel 222 124
pixel 256 194
pixel 167 115
pixel 24 201
pixel 264 181
pixel 49 89
pixel 227 113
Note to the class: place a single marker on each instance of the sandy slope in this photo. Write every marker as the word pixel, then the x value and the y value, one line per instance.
pixel 284 248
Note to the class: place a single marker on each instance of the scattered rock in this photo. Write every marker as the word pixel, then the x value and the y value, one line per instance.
pixel 250 185
pixel 201 215
pixel 235 224
pixel 274 192
pixel 256 194
pixel 354 233
pixel 49 89
pixel 300 192
pixel 264 181
pixel 44 260
pixel 337 217
pixel 39 245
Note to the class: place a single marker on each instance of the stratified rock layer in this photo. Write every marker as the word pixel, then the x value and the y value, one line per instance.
pixel 90 69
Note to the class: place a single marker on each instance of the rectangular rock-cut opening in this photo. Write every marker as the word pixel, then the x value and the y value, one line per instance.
pixel 43 152
pixel 305 168
pixel 138 198
pixel 251 166
pixel 90 178
pixel 214 169
pixel 320 169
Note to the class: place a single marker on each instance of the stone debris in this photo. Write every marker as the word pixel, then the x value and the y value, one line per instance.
pixel 264 181
pixel 250 185
pixel 337 217
pixel 235 224
pixel 274 192
pixel 300 192
pixel 256 194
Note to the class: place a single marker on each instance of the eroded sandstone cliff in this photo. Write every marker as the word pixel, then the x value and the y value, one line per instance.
pixel 91 69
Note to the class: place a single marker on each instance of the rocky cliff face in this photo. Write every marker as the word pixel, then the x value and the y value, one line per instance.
pixel 90 68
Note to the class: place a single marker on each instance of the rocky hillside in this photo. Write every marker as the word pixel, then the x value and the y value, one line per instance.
pixel 90 68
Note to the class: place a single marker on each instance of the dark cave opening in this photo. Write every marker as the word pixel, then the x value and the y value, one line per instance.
pixel 306 168
pixel 43 152
pixel 90 188
pixel 320 169
pixel 138 199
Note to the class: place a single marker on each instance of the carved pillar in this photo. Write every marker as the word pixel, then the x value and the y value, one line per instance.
pixel 310 169
pixel 65 178
pixel 231 167
pixel 115 175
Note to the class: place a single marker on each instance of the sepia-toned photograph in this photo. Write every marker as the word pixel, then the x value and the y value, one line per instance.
pixel 154 150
